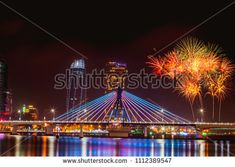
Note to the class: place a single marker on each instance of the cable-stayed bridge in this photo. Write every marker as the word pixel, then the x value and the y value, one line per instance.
pixel 115 113
pixel 127 109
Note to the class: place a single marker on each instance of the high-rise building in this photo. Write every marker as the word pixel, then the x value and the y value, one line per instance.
pixel 9 106
pixel 4 114
pixel 29 113
pixel 117 73
pixel 76 93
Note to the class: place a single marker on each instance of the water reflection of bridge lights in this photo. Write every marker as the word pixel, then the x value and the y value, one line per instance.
pixel 113 147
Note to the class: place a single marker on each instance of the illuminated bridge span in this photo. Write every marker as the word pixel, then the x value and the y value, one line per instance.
pixel 121 107
pixel 118 114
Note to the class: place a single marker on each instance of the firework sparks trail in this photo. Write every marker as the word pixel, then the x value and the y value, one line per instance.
pixel 201 68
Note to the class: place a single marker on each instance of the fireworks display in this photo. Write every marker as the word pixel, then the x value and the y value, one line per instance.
pixel 202 68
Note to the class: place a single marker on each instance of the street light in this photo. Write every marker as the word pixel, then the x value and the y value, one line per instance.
pixel 53 112
pixel 85 111
pixel 202 113
pixel 162 111
pixel 19 112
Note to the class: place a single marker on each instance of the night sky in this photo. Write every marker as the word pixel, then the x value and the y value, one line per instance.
pixel 126 32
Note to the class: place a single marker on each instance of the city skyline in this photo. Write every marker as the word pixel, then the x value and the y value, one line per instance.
pixel 105 83
pixel 34 58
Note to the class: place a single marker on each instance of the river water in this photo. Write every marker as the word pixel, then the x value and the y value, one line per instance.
pixel 74 146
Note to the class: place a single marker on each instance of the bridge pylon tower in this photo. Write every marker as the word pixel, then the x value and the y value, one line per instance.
pixel 118 113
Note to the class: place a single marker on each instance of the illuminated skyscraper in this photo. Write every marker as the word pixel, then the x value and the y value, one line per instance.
pixel 116 75
pixel 9 104
pixel 3 90
pixel 76 93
